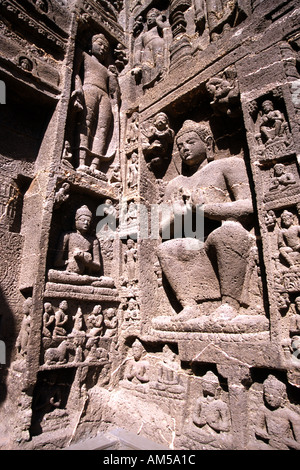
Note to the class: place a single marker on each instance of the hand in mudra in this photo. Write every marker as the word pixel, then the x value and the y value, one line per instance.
pixel 182 203
pixel 84 256
pixel 197 198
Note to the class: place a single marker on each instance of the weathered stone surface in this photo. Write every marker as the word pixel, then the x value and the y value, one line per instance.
pixel 150 224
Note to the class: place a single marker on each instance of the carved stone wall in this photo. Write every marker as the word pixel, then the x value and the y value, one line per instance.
pixel 150 222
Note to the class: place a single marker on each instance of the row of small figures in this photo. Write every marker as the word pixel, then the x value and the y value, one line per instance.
pixel 98 323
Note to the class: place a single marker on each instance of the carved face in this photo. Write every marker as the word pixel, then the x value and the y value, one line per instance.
pixel 83 223
pixel 97 309
pixel 161 122
pixel 151 18
pixel 137 351
pixel 279 169
pixel 273 397
pixel 27 306
pixel 131 304
pixel 286 219
pixel 210 384
pixel 270 219
pixel 130 243
pixel 48 307
pixel 99 48
pixel 267 106
pixel 283 301
pixel 191 148
pixel 110 313
pixel 63 305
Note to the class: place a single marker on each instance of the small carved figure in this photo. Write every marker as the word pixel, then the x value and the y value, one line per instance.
pixel 111 322
pixel 278 426
pixel 94 94
pixel 132 180
pixel 253 287
pixel 137 368
pixel 131 215
pixel 132 134
pixel 225 96
pixel 158 139
pixel 116 176
pixel 95 321
pixel 57 355
pixel 62 194
pixel 270 219
pixel 132 313
pixel 289 239
pixel 168 373
pixel 79 251
pixel 211 412
pixel 129 219
pixel 67 154
pixel 158 273
pixel 78 338
pixel 130 257
pixel 48 319
pixel 23 336
pixel 283 301
pixel 150 59
pixel 26 64
pixel 78 322
pixel 282 178
pixel 109 209
pixel 272 123
pixel 61 318
pixel 138 25
pixel 106 228
pixel 120 56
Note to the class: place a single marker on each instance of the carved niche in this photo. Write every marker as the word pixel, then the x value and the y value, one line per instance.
pixel 271 128
pixel 150 56
pixel 157 141
pixel 92 136
pixel 208 295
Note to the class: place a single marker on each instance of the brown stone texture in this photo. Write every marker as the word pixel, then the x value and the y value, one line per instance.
pixel 150 224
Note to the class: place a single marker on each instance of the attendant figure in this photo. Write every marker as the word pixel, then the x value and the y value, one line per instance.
pixel 61 318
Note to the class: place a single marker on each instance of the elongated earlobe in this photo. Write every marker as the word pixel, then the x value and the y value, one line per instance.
pixel 210 145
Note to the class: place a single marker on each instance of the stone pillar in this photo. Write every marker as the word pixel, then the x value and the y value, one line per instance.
pixel 180 48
